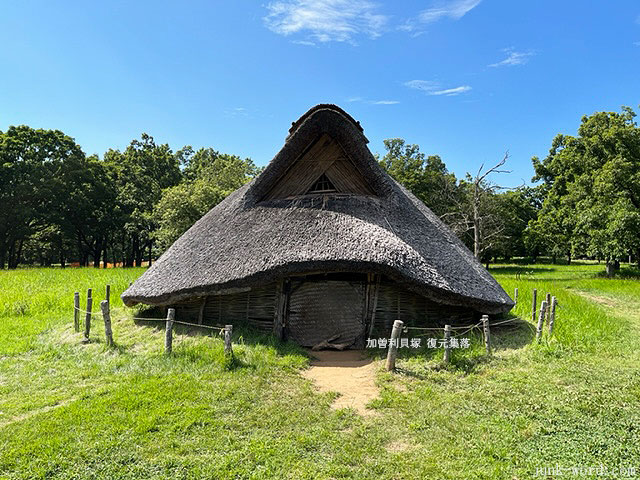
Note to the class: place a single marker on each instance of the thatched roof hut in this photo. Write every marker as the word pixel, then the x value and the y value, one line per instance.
pixel 322 244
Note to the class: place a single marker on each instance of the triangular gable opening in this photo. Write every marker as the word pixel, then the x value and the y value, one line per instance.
pixel 322 185
pixel 324 167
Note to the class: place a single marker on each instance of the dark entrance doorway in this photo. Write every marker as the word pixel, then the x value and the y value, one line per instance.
pixel 325 309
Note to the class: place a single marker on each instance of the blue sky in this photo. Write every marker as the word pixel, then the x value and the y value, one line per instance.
pixel 465 79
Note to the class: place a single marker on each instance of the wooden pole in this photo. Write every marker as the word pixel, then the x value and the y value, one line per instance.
pixel 447 344
pixel 393 345
pixel 228 351
pixel 76 311
pixel 548 299
pixel 376 289
pixel 552 315
pixel 168 333
pixel 543 310
pixel 87 318
pixel 487 334
pixel 515 295
pixel 201 311
pixel 280 310
pixel 107 296
pixel 106 315
pixel 535 304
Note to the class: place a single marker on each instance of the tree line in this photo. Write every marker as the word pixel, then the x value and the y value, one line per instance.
pixel 59 205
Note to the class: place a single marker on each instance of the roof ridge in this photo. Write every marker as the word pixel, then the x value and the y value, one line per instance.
pixel 324 106
pixel 340 126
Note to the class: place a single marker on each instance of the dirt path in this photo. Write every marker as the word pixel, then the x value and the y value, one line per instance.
pixel 349 373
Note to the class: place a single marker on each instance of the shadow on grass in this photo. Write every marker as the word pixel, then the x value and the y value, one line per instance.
pixel 242 334
pixel 513 335
pixel 629 273
pixel 520 271
pixel 529 261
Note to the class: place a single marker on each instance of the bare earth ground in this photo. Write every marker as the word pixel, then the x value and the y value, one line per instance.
pixel 349 372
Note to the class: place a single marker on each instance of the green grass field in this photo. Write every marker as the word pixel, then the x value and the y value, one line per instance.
pixel 69 410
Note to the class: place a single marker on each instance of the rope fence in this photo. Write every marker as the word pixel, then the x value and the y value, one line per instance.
pixel 547 314
pixel 149 319
pixel 144 319
pixel 169 321
pixel 93 314
pixel 468 330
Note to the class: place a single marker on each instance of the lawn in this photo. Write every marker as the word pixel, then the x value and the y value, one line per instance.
pixel 69 410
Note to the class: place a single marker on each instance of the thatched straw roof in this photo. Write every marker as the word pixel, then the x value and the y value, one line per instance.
pixel 247 240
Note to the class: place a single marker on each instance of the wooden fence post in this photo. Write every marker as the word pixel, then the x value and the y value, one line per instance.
pixel 87 318
pixel 76 311
pixel 228 351
pixel 168 334
pixel 535 304
pixel 487 333
pixel 515 296
pixel 393 345
pixel 543 310
pixel 108 296
pixel 106 315
pixel 552 315
pixel 548 299
pixel 447 344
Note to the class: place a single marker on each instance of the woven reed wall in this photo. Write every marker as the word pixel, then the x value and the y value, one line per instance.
pixel 397 303
pixel 254 308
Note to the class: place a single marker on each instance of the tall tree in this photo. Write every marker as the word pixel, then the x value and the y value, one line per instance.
pixel 426 177
pixel 516 208
pixel 593 180
pixel 36 175
pixel 208 178
pixel 477 216
pixel 139 174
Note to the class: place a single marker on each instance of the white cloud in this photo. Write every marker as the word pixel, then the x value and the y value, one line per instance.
pixel 304 42
pixel 434 88
pixel 453 9
pixel 372 102
pixel 326 20
pixel 236 112
pixel 422 85
pixel 513 58
pixel 450 92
